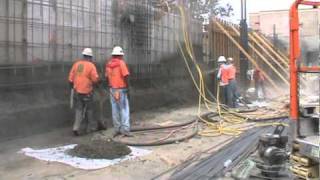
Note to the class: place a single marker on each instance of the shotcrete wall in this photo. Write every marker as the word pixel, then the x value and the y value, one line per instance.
pixel 40 39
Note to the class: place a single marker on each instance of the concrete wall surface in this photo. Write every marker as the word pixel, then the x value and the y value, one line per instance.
pixel 40 39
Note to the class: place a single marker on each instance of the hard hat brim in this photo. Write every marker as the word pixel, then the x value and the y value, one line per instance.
pixel 87 54
pixel 117 54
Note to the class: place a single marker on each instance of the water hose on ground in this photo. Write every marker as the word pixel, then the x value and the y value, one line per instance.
pixel 165 140
pixel 135 129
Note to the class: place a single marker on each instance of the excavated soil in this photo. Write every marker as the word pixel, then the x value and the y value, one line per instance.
pixel 100 149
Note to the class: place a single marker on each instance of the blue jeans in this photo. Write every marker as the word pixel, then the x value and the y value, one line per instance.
pixel 120 110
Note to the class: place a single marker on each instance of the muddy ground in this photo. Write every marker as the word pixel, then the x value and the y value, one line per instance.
pixel 17 166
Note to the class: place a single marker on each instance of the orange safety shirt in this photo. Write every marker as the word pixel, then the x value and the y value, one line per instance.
pixel 232 72
pixel 116 71
pixel 83 75
pixel 223 74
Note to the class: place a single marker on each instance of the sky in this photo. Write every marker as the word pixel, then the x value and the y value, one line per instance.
pixel 257 5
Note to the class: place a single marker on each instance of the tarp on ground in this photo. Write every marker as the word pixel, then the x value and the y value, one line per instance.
pixel 60 154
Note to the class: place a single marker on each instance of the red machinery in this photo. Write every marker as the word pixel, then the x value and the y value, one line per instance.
pixel 294 55
pixel 305 154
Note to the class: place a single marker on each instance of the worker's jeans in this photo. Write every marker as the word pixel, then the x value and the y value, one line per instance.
pixel 83 111
pixel 120 110
pixel 228 95
pixel 232 94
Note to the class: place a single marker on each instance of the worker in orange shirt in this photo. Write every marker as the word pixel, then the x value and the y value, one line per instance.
pixel 83 75
pixel 117 74
pixel 233 90
pixel 223 78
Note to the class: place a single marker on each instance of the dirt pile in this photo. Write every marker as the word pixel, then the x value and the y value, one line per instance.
pixel 100 149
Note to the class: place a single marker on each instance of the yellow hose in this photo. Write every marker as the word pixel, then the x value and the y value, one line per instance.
pixel 228 118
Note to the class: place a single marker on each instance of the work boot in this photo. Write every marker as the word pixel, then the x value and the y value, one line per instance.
pixel 115 133
pixel 127 134
pixel 101 126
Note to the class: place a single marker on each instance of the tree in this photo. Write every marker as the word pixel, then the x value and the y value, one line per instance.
pixel 201 8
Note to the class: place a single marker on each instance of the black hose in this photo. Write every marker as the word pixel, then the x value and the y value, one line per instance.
pixel 267 119
pixel 238 114
pixel 135 129
pixel 249 110
pixel 157 142
pixel 207 116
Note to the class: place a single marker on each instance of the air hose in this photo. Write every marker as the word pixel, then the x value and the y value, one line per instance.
pixel 135 129
pixel 162 141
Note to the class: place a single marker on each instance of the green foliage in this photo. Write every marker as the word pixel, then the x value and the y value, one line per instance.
pixel 209 7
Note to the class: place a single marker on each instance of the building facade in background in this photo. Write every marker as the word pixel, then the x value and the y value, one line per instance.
pixel 275 25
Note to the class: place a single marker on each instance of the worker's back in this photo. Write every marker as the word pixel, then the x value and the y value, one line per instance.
pixel 231 72
pixel 116 71
pixel 83 75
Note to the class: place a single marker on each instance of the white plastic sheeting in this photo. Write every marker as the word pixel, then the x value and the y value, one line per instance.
pixel 59 154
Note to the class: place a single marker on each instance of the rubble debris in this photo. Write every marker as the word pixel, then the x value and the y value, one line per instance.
pixel 100 149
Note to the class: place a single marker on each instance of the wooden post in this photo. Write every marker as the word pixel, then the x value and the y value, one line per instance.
pixel 247 55
pixel 270 49
pixel 263 58
pixel 284 69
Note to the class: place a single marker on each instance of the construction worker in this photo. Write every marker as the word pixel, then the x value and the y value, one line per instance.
pixel 223 78
pixel 83 75
pixel 117 74
pixel 259 79
pixel 232 83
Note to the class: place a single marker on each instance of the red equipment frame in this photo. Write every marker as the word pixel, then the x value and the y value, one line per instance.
pixel 295 68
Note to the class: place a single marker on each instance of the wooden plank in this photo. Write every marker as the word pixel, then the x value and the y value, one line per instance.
pixel 247 55
pixel 280 52
pixel 284 69
pixel 284 61
pixel 263 58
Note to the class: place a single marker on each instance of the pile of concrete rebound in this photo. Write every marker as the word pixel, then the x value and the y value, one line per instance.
pixel 100 149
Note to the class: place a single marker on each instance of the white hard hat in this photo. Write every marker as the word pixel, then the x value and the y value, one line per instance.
pixel 117 51
pixel 87 52
pixel 230 59
pixel 222 59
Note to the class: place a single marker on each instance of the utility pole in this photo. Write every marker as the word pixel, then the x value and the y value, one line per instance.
pixel 244 63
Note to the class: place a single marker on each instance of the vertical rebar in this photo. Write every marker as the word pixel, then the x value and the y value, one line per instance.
pixel 7 37
pixel 63 37
pixel 71 30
